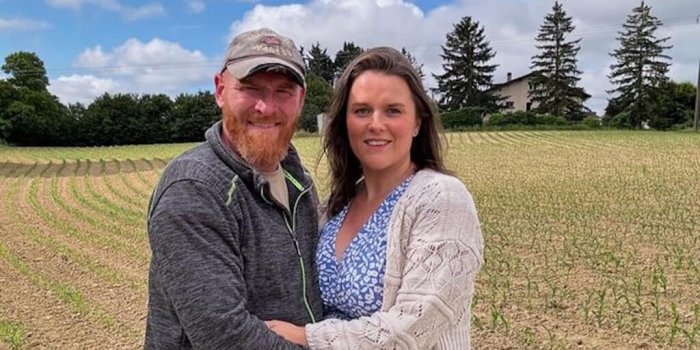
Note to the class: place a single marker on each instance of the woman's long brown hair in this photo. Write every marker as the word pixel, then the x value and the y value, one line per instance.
pixel 427 146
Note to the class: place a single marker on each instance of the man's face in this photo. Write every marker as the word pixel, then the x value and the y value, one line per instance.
pixel 260 113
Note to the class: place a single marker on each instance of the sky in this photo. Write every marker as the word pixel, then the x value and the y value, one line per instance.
pixel 90 47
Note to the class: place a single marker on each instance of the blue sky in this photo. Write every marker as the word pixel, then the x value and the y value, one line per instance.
pixel 94 46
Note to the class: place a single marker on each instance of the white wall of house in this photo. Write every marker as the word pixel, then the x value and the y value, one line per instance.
pixel 516 92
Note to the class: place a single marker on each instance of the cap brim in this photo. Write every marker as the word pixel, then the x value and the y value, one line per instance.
pixel 245 67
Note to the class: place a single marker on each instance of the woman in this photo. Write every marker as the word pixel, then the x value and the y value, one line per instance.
pixel 399 254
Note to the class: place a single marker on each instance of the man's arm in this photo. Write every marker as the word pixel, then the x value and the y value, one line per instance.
pixel 198 265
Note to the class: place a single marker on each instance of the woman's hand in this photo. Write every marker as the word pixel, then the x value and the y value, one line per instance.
pixel 286 330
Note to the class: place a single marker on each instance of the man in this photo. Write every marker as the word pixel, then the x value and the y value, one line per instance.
pixel 233 222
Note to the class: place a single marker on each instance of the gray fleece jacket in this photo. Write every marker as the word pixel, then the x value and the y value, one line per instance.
pixel 226 256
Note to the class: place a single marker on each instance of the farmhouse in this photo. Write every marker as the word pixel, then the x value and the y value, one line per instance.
pixel 516 93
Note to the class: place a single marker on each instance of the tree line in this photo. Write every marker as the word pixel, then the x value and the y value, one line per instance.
pixel 643 95
pixel 31 116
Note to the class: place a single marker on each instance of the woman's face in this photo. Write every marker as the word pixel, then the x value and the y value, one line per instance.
pixel 381 121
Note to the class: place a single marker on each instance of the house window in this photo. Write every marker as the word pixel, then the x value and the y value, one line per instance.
pixel 528 106
pixel 510 104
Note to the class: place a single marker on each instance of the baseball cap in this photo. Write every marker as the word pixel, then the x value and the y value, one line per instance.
pixel 263 49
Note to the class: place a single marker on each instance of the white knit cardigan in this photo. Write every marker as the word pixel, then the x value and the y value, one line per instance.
pixel 434 252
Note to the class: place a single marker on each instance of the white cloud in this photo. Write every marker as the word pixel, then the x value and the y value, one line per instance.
pixel 157 66
pixel 143 12
pixel 130 13
pixel 161 63
pixel 82 88
pixel 21 24
pixel 93 58
pixel 196 6
pixel 112 5
pixel 510 26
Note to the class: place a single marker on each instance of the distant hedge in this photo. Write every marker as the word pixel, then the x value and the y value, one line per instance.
pixel 523 118
pixel 472 118
pixel 462 118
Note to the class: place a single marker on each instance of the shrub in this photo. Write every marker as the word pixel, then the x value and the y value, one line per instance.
pixel 591 122
pixel 308 121
pixel 465 117
pixel 621 120
pixel 515 118
pixel 548 119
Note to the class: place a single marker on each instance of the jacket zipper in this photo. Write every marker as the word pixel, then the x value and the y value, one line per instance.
pixel 291 229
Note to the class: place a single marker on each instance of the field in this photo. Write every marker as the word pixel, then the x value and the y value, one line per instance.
pixel 592 240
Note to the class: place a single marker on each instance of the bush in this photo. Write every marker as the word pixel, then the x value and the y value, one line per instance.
pixel 591 122
pixel 521 118
pixel 620 121
pixel 307 121
pixel 462 118
pixel 548 119
pixel 514 118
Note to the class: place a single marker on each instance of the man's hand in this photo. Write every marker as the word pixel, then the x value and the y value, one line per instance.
pixel 286 330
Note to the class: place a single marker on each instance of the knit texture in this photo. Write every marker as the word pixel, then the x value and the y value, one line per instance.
pixel 434 252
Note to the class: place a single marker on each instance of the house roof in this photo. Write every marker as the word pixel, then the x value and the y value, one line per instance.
pixel 512 81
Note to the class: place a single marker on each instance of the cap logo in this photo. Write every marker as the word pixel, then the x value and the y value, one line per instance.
pixel 272 45
pixel 270 40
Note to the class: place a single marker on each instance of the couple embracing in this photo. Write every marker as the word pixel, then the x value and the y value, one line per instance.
pixel 245 257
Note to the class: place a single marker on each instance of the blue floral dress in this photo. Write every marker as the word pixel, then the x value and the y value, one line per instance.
pixel 353 286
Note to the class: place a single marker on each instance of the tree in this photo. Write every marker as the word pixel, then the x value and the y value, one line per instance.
pixel 553 84
pixel 613 108
pixel 318 96
pixel 467 75
pixel 418 67
pixel 4 129
pixel 8 94
pixel 345 55
pixel 192 115
pixel 26 70
pixel 37 118
pixel 675 106
pixel 640 71
pixel 111 120
pixel 29 114
pixel 153 120
pixel 320 63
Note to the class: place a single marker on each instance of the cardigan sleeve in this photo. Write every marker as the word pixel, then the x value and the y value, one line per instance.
pixel 442 258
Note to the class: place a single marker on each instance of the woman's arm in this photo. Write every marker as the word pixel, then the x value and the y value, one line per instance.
pixel 442 258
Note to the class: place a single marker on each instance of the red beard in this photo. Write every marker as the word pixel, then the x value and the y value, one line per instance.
pixel 261 150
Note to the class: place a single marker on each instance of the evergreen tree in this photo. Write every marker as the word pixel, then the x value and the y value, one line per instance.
pixel 468 74
pixel 320 63
pixel 418 67
pixel 553 84
pixel 640 71
pixel 345 55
